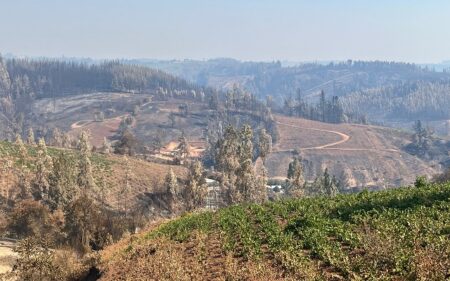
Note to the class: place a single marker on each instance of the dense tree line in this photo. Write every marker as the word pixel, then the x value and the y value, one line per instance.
pixel 23 80
pixel 297 186
pixel 280 81
pixel 52 78
pixel 379 89
pixel 330 111
pixel 424 100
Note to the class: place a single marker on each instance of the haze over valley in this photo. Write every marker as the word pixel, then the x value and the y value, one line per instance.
pixel 226 141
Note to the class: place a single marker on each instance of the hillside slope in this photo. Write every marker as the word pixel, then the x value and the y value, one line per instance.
pixel 360 155
pixel 146 178
pixel 400 234
pixel 363 156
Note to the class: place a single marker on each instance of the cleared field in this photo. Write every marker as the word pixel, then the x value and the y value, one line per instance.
pixel 368 156
pixel 97 130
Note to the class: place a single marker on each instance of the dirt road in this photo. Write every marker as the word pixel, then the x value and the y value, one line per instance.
pixel 344 138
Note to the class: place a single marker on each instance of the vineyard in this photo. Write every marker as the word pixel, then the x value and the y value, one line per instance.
pixel 400 234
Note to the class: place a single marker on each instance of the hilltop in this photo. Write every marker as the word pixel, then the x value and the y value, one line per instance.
pixel 391 235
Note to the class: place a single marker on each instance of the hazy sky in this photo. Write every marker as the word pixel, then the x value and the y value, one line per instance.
pixel 402 30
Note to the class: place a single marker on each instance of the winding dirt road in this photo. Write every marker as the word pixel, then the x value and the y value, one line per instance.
pixel 344 138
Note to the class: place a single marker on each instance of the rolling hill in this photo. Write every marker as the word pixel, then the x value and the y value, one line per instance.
pixel 387 92
pixel 362 155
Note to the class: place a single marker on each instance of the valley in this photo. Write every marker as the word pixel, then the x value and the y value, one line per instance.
pixel 150 165
pixel 364 156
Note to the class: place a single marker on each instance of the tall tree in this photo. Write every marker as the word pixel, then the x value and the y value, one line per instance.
pixel 295 179
pixel 330 184
pixel 23 151
pixel 261 186
pixel 246 178
pixel 44 166
pixel 85 179
pixel 182 152
pixel 264 144
pixel 23 183
pixel 126 185
pixel 196 189
pixel 322 106
pixel 173 190
pixel 30 137
pixel 62 185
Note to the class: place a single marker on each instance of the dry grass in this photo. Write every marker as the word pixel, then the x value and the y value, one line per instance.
pixel 7 256
pixel 200 258
pixel 370 157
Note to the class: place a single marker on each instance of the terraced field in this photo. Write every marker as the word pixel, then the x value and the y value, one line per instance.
pixel 400 234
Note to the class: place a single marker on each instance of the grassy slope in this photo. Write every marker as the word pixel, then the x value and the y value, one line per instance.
pixel 400 234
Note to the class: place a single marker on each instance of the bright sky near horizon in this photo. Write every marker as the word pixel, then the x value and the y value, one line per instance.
pixel 295 30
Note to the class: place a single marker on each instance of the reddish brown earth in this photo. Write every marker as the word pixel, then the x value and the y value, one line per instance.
pixel 364 155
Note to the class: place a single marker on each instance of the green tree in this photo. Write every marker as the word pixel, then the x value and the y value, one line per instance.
pixel 421 181
pixel 330 184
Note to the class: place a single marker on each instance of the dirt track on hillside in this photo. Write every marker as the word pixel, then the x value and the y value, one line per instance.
pixel 344 138
pixel 363 155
